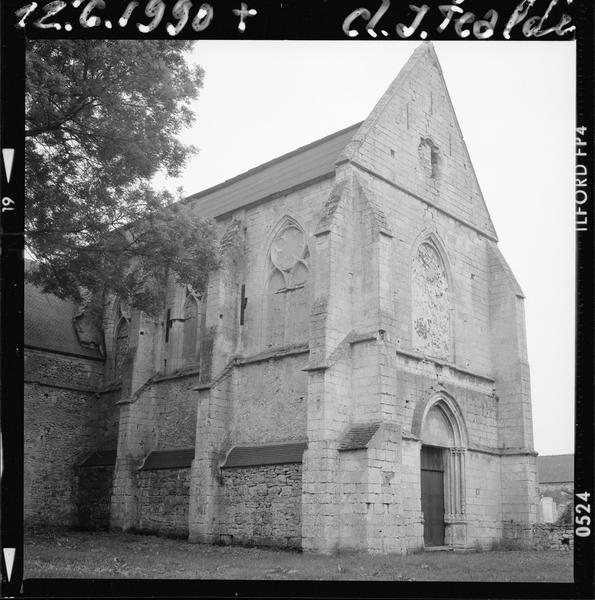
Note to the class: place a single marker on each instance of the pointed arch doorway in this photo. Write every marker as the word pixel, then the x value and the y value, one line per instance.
pixel 432 495
pixel 442 475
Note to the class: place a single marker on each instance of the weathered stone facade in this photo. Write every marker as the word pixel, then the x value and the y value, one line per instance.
pixel 363 310
pixel 94 487
pixel 262 505
pixel 163 501
pixel 65 420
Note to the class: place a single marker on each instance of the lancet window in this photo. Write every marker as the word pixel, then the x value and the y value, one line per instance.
pixel 191 327
pixel 120 347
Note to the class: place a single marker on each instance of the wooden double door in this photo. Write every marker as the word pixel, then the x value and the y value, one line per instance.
pixel 432 494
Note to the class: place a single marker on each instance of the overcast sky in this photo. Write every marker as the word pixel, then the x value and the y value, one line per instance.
pixel 515 104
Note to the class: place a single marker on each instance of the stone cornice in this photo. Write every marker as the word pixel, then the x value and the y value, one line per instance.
pixel 60 385
pixel 239 361
pixel 443 363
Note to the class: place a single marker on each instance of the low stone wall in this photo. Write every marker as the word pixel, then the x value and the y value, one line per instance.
pixel 548 536
pixel 262 506
pixel 93 499
pixel 539 536
pixel 163 497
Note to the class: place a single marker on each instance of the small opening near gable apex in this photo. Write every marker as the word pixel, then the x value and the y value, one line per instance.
pixel 429 155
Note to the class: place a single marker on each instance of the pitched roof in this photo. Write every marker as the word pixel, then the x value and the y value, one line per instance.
pixel 310 162
pixel 49 324
pixel 556 468
pixel 358 436
pixel 272 454
pixel 168 459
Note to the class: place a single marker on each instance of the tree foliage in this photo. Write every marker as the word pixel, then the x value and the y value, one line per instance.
pixel 102 118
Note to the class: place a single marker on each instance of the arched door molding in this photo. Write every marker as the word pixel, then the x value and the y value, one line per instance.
pixel 438 421
pixel 452 412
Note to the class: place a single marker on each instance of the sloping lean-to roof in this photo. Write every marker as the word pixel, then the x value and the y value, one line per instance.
pixel 555 468
pixel 308 163
pixel 273 454
pixel 168 459
pixel 358 436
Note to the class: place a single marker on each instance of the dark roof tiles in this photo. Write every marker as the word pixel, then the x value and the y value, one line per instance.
pixel 305 164
pixel 168 459
pixel 358 436
pixel 49 323
pixel 556 468
pixel 272 454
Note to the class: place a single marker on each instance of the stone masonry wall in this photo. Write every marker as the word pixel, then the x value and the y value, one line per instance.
pixel 548 536
pixel 56 369
pixel 262 505
pixel 270 401
pixel 411 493
pixel 176 405
pixel 353 484
pixel 62 426
pixel 93 498
pixel 163 501
pixel 483 502
pixel 540 536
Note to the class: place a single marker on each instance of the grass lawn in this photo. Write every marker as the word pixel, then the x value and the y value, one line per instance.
pixel 70 554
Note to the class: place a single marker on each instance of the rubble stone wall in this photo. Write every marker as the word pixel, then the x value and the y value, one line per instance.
pixel 540 536
pixel 93 498
pixel 262 505
pixel 163 501
pixel 64 422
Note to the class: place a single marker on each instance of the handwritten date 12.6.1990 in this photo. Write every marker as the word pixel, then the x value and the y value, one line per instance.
pixel 183 13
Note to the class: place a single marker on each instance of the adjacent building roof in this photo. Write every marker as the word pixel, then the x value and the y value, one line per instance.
pixel 556 468
pixel 49 324
pixel 358 436
pixel 273 454
pixel 308 163
pixel 168 459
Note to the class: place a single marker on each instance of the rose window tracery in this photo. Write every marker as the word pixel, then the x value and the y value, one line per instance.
pixel 431 303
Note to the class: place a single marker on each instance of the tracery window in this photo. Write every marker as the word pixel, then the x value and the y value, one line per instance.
pixel 120 347
pixel 431 303
pixel 190 330
pixel 287 295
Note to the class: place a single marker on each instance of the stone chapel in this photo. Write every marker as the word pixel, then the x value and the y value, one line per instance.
pixel 355 376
